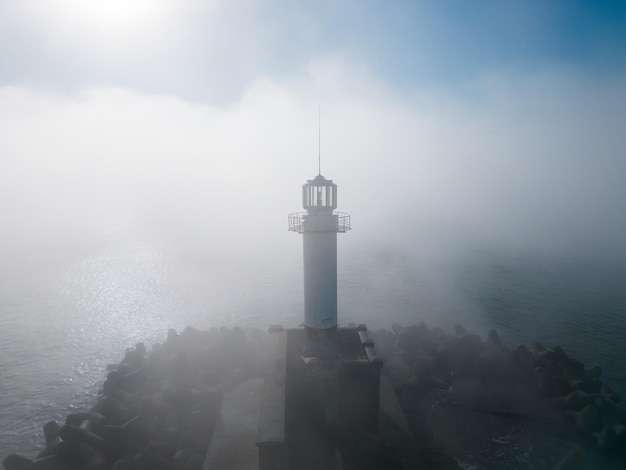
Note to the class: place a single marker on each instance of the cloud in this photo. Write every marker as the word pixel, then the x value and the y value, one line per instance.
pixel 519 162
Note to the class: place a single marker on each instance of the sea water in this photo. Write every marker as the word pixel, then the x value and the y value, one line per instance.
pixel 68 311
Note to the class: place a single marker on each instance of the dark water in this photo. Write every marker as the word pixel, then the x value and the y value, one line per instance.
pixel 68 311
pixel 578 305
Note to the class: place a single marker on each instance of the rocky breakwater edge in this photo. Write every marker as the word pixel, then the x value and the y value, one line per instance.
pixel 156 409
pixel 485 404
pixel 499 408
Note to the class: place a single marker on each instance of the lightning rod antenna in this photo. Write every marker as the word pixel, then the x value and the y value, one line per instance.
pixel 319 140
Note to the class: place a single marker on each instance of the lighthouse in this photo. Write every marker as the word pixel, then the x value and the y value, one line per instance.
pixel 320 402
pixel 319 227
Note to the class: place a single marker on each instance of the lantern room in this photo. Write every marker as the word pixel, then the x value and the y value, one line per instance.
pixel 319 194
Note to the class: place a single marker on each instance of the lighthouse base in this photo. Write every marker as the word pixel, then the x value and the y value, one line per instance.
pixel 321 343
pixel 322 411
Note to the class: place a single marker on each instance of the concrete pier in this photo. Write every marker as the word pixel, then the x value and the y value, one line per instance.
pixel 233 399
pixel 233 442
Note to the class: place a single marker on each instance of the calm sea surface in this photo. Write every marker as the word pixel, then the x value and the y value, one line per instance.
pixel 65 313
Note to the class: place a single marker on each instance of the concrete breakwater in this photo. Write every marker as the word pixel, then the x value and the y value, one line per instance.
pixel 158 409
pixel 541 402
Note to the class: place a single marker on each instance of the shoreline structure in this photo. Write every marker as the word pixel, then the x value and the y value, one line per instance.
pixel 463 401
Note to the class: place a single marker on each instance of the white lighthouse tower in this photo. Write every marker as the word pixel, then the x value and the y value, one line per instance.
pixel 319 226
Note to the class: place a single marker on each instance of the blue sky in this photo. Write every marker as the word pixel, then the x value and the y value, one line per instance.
pixel 496 123
pixel 211 51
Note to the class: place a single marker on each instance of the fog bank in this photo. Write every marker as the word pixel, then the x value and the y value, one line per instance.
pixel 518 163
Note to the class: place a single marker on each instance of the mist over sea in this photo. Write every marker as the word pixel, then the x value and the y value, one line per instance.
pixel 68 311
pixel 150 151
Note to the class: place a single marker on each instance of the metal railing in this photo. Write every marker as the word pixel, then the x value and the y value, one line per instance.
pixel 297 221
pixel 343 222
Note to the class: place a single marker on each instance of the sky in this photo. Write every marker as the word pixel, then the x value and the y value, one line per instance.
pixel 494 125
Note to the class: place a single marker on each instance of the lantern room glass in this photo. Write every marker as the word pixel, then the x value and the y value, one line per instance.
pixel 319 195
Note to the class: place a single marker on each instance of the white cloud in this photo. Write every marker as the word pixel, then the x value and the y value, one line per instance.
pixel 520 162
